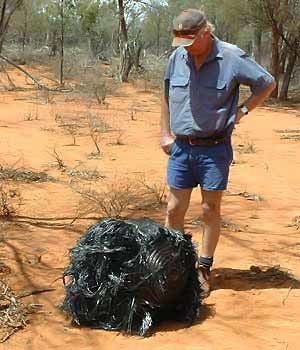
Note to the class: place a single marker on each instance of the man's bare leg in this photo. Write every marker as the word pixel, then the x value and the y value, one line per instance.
pixel 178 203
pixel 211 207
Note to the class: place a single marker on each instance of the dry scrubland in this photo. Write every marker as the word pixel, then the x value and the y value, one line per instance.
pixel 72 156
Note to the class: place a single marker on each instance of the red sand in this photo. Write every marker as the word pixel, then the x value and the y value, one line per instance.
pixel 242 312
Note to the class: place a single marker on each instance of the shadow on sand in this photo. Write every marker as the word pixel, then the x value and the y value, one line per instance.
pixel 257 277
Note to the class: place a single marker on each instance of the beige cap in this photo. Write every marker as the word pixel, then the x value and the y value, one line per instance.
pixel 186 26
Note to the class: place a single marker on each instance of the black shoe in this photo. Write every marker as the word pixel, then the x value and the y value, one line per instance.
pixel 204 280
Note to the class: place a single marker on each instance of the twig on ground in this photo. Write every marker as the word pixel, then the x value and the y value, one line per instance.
pixel 288 293
pixel 34 291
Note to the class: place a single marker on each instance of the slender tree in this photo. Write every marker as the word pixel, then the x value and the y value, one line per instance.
pixel 126 59
pixel 62 41
pixel 7 9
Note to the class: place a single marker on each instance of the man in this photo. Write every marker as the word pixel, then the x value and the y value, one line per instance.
pixel 199 111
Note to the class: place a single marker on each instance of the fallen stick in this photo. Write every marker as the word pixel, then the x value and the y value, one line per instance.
pixel 39 85
pixel 34 291
pixel 287 294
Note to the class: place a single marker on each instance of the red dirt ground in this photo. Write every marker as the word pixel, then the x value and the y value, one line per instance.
pixel 250 307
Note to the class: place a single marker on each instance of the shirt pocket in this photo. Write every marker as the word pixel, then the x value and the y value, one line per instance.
pixel 214 92
pixel 179 89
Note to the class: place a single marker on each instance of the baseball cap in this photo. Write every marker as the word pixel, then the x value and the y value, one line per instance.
pixel 186 26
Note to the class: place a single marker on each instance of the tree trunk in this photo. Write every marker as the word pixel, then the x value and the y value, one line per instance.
pixel 125 51
pixel 257 44
pixel 5 16
pixel 275 64
pixel 24 32
pixel 283 57
pixel 287 76
pixel 126 62
pixel 62 42
pixel 2 23
pixel 158 36
pixel 53 44
pixel 137 54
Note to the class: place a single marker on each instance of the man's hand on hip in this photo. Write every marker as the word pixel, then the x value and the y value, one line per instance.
pixel 166 142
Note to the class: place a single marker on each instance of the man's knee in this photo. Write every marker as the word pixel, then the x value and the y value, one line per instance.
pixel 211 210
pixel 175 209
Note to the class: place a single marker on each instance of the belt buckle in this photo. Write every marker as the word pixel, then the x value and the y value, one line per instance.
pixel 191 141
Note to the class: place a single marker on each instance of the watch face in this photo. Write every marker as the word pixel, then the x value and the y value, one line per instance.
pixel 244 109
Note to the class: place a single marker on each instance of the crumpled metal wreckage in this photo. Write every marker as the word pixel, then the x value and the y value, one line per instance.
pixel 128 275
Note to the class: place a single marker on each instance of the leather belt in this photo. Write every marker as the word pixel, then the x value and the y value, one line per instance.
pixel 194 141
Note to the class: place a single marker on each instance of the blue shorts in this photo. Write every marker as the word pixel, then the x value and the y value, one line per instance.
pixel 207 166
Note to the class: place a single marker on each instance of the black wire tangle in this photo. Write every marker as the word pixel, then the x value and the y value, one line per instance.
pixel 128 275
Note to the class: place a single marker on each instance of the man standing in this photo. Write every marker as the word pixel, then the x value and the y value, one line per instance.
pixel 199 111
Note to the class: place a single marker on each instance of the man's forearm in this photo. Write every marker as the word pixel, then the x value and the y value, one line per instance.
pixel 255 100
pixel 165 117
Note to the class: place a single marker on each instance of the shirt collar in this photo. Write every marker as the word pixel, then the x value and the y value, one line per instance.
pixel 216 52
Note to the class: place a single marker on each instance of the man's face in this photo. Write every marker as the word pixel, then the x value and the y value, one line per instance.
pixel 201 43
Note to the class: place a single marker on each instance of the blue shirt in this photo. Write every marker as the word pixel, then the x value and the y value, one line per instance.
pixel 204 102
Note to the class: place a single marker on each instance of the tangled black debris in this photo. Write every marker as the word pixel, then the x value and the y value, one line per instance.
pixel 128 275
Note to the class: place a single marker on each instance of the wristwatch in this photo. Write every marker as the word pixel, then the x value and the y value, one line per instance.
pixel 244 109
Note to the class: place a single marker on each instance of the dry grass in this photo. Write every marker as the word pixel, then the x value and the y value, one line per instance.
pixel 153 193
pixel 10 201
pixel 245 194
pixel 13 314
pixel 96 127
pixel 113 201
pixel 119 197
pixel 59 162
pixel 14 173
pixel 29 116
pixel 225 224
pixel 82 174
pixel 88 175
pixel 295 222
pixel 289 134
pixel 246 147
pixel 71 128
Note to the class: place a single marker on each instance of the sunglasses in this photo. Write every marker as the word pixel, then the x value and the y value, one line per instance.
pixel 189 33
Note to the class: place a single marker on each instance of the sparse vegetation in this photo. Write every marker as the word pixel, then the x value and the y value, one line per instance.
pixel 29 116
pixel 155 194
pixel 71 129
pixel 295 222
pixel 12 172
pixel 246 148
pixel 10 201
pixel 59 161
pixel 92 110
pixel 100 91
pixel 289 134
pixel 120 196
pixel 119 141
pixel 113 201
pixel 87 175
pixel 13 313
pixel 247 195
pixel 225 224
pixel 97 126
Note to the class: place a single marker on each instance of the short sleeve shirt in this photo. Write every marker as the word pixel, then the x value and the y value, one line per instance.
pixel 204 102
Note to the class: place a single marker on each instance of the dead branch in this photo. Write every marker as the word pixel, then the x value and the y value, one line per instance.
pixel 39 85
pixel 288 293
pixel 8 77
pixel 34 291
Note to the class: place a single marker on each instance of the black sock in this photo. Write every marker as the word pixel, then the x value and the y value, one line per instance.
pixel 206 261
